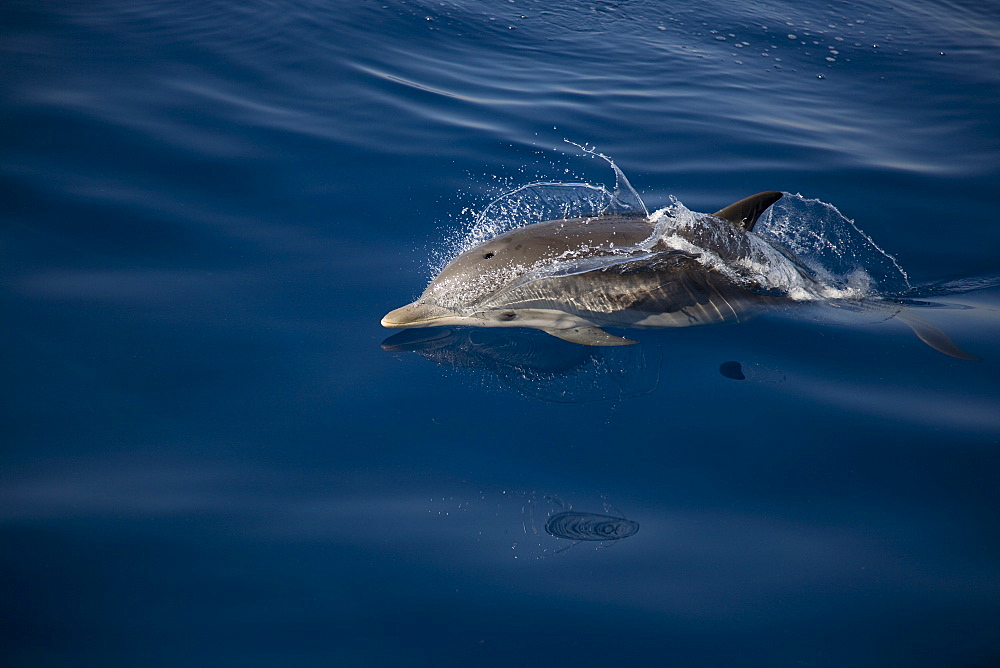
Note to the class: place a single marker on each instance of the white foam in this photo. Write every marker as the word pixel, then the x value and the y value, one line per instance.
pixel 802 248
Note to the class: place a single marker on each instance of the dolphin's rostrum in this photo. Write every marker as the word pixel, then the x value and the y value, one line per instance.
pixel 572 277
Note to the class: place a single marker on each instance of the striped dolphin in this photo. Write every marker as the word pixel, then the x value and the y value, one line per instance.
pixel 573 277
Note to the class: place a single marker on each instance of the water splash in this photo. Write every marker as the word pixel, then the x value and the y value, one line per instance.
pixel 761 265
pixel 832 246
pixel 624 198
pixel 801 248
pixel 541 201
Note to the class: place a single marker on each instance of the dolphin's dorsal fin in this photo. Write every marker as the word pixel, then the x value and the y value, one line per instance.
pixel 590 336
pixel 746 212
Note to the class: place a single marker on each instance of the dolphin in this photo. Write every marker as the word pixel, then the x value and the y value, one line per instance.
pixel 573 277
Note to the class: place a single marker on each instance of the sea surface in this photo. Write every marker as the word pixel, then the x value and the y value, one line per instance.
pixel 211 455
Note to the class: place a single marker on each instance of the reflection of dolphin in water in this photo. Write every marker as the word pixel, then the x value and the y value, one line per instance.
pixel 537 365
pixel 484 348
pixel 572 277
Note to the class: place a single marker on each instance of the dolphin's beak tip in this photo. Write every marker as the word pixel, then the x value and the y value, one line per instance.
pixel 390 322
pixel 396 318
pixel 414 315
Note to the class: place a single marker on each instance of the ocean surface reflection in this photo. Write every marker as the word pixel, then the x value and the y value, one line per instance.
pixel 208 459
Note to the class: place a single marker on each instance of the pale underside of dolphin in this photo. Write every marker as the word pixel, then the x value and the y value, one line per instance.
pixel 573 277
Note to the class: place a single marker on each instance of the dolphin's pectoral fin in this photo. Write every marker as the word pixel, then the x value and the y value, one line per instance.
pixel 933 336
pixel 590 336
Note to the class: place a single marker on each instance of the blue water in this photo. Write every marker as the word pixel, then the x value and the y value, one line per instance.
pixel 208 458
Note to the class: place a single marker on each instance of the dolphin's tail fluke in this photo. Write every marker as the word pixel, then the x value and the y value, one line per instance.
pixel 932 335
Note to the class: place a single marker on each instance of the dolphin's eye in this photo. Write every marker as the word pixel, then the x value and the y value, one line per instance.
pixel 487 256
pixel 508 315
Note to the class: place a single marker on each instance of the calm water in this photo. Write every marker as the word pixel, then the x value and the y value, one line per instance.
pixel 209 459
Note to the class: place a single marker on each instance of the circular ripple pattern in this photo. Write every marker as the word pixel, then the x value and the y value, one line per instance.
pixel 590 526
